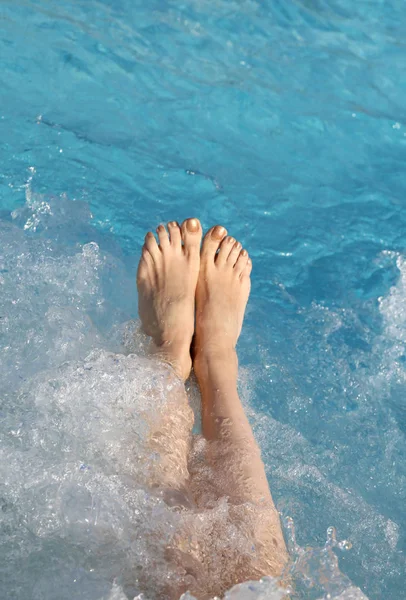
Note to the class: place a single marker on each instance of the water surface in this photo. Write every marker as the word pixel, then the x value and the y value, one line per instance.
pixel 283 121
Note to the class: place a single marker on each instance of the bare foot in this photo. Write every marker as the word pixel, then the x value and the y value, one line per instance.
pixel 166 280
pixel 222 293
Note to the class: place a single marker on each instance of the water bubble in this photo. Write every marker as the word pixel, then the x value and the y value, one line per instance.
pixel 79 411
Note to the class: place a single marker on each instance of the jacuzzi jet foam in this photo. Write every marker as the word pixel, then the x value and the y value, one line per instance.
pixel 81 514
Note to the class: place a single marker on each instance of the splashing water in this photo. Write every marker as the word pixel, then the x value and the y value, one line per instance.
pixel 79 402
pixel 317 569
pixel 283 121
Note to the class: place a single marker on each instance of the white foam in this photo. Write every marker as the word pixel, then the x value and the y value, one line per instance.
pixel 78 515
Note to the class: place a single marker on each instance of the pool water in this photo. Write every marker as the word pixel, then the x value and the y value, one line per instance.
pixel 286 123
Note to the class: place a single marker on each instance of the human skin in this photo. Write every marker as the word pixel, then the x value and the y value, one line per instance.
pixel 188 292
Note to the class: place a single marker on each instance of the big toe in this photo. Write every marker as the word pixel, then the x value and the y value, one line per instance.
pixel 191 235
pixel 212 241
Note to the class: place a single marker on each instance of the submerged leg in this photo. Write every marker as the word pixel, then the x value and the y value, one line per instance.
pixel 166 280
pixel 221 297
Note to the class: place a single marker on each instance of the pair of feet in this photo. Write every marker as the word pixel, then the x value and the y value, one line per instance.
pixel 187 289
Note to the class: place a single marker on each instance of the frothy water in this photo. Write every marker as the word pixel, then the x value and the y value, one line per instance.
pixel 81 400
pixel 282 121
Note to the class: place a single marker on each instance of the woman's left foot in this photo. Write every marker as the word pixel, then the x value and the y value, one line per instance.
pixel 166 280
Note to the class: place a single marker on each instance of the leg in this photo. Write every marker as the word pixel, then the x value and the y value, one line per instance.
pixel 221 297
pixel 168 440
pixel 166 280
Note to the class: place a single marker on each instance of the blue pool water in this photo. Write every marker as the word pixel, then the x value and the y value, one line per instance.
pixel 285 121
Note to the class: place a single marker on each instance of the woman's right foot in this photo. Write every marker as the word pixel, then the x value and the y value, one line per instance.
pixel 222 294
pixel 166 279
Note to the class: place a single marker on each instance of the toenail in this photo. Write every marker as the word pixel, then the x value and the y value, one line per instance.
pixel 218 232
pixel 160 228
pixel 192 225
pixel 244 253
pixel 231 240
pixel 173 224
pixel 238 245
pixel 150 234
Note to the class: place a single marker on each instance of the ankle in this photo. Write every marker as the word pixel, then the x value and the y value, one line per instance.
pixel 182 365
pixel 179 341
pixel 176 353
pixel 214 356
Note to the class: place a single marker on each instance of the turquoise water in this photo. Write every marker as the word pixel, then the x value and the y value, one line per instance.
pixel 283 121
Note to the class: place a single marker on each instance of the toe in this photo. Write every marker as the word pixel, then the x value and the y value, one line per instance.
pixel 234 254
pixel 162 236
pixel 145 267
pixel 225 248
pixel 191 235
pixel 151 245
pixel 142 273
pixel 241 263
pixel 212 241
pixel 175 233
pixel 247 271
